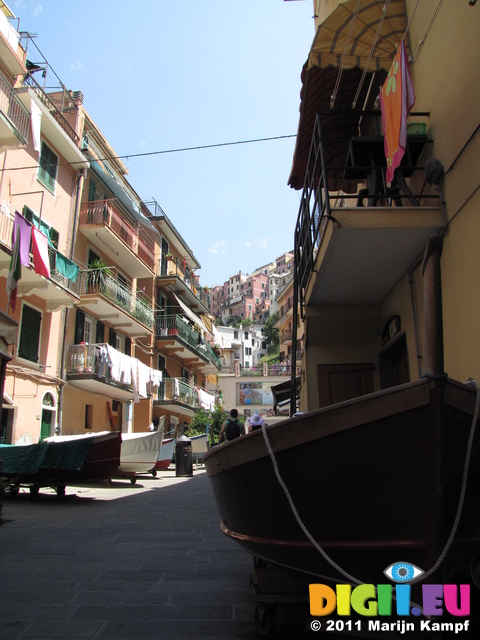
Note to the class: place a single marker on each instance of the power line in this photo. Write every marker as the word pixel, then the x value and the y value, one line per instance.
pixel 156 153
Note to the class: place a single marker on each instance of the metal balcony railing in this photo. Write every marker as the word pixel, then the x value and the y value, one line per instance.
pixel 103 212
pixel 104 282
pixel 14 111
pixel 182 391
pixel 29 81
pixel 175 266
pixel 175 326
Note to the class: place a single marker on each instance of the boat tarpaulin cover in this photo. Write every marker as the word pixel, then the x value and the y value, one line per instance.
pixel 29 459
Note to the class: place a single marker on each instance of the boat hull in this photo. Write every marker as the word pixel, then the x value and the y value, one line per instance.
pixel 62 460
pixel 139 452
pixel 199 447
pixel 374 481
pixel 165 454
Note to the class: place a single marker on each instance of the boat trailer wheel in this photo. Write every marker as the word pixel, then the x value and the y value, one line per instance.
pixel 265 620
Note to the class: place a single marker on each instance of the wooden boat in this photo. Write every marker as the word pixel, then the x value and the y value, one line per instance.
pixel 61 460
pixel 165 454
pixel 199 447
pixel 139 453
pixel 373 480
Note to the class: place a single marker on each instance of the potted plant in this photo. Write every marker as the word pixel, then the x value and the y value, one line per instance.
pixel 97 270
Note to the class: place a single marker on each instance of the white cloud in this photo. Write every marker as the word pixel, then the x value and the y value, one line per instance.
pixel 76 65
pixel 37 10
pixel 126 67
pixel 218 247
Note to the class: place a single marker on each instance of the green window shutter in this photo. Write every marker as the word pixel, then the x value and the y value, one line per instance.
pixel 92 191
pixel 79 326
pixel 112 337
pixel 47 171
pixel 29 334
pixel 100 333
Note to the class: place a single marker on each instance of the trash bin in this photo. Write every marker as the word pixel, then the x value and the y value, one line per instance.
pixel 183 457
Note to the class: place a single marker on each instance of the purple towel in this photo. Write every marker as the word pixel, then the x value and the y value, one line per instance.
pixel 24 228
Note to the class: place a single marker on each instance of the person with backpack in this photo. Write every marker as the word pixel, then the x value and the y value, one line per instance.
pixel 231 428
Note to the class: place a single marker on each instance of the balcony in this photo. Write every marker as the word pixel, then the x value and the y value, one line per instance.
pixel 106 228
pixel 99 368
pixel 107 297
pixel 353 247
pixel 58 290
pixel 177 394
pixel 14 118
pixel 286 337
pixel 174 336
pixel 174 271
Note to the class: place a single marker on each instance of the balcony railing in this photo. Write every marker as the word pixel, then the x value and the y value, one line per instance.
pixel 280 369
pixel 175 326
pixel 180 390
pixel 14 110
pixel 174 266
pixel 103 212
pixel 104 282
pixel 29 81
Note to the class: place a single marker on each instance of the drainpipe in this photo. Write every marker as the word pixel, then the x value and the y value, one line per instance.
pixel 78 187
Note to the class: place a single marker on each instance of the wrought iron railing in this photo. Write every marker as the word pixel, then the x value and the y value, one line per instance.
pixel 175 266
pixel 14 110
pixel 29 81
pixel 175 326
pixel 182 391
pixel 103 212
pixel 104 282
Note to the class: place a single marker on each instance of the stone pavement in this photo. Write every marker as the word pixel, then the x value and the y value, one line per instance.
pixel 141 561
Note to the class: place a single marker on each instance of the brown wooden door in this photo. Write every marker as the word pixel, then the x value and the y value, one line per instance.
pixel 339 382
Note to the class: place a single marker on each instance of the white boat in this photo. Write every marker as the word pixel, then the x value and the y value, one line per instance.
pixel 165 454
pixel 199 447
pixel 139 452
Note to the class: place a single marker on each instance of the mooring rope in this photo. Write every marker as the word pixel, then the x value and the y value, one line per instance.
pixel 456 521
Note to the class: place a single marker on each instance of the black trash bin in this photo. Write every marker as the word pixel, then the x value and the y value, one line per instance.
pixel 183 457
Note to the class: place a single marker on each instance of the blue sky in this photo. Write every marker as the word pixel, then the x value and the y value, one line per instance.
pixel 160 75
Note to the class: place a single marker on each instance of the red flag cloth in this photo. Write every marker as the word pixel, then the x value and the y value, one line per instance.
pixel 397 98
pixel 41 262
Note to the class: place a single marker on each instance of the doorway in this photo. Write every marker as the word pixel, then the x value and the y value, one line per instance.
pixel 48 416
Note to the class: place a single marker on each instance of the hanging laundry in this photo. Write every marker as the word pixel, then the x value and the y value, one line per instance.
pixel 23 228
pixel 66 268
pixel 397 98
pixel 40 253
pixel 14 274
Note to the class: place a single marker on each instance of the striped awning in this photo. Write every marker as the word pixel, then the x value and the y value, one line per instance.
pixel 360 34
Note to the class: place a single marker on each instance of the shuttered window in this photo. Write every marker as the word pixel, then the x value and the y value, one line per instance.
pixel 29 342
pixel 47 171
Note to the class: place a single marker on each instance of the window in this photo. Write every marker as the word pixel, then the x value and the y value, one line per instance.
pixel 47 171
pixel 92 191
pixel 29 342
pixel 87 331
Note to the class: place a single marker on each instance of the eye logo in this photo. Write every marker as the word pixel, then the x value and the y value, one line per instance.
pixel 402 572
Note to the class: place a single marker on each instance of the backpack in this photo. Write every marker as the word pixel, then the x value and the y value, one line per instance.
pixel 233 430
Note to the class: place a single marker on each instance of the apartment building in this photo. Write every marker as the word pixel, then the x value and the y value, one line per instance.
pixel 39 191
pixel 360 238
pixel 240 348
pixel 250 296
pixel 88 286
pixel 184 343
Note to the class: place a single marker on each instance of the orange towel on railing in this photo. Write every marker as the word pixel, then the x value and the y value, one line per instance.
pixel 40 253
pixel 397 98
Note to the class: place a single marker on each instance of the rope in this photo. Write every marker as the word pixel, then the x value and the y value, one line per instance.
pixel 456 522
pixel 344 55
pixel 297 517
pixel 463 490
pixel 372 49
